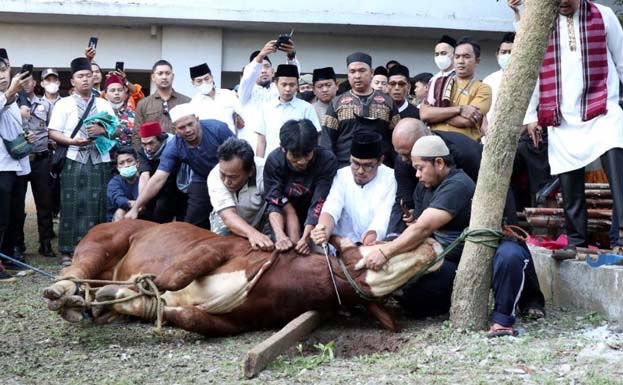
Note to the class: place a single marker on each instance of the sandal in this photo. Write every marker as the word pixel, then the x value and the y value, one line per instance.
pixel 497 330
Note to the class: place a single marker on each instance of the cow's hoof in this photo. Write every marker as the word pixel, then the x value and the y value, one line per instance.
pixel 104 294
pixel 72 308
pixel 56 294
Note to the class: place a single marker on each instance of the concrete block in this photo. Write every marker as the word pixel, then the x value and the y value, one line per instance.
pixel 573 283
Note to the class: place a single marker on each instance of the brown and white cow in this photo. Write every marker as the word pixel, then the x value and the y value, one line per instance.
pixel 217 285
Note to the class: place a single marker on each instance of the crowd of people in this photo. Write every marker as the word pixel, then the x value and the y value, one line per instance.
pixel 289 159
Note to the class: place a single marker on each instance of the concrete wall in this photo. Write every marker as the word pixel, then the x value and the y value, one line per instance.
pixel 574 284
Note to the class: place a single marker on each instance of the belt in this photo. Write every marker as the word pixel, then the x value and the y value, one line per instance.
pixel 38 155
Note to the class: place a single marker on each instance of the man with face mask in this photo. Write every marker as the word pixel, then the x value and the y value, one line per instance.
pixel 306 88
pixel 51 86
pixel 36 116
pixel 122 189
pixel 117 95
pixel 325 89
pixel 444 55
pixel 214 103
pixel 494 80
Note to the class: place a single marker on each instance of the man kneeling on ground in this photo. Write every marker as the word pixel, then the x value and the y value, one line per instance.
pixel 236 186
pixel 443 200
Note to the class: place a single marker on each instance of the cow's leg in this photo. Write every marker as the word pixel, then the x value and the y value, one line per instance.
pixel 188 318
pixel 196 263
pixel 383 315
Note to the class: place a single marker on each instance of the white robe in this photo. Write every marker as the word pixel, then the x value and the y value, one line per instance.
pixel 359 209
pixel 575 143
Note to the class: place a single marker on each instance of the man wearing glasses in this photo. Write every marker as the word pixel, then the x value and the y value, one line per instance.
pixel 155 107
pixel 398 88
pixel 361 197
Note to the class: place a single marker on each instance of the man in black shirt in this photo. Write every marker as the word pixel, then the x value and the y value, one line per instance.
pixel 465 152
pixel 443 200
pixel 170 203
pixel 398 88
pixel 297 180
pixel 360 109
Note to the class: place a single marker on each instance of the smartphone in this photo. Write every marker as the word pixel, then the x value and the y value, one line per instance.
pixel 27 68
pixel 92 42
pixel 283 39
pixel 119 66
pixel 405 209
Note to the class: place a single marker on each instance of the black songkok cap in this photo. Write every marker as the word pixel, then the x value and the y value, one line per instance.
pixel 380 70
pixel 399 70
pixel 200 70
pixel 254 55
pixel 367 145
pixel 3 54
pixel 448 40
pixel 359 56
pixel 287 70
pixel 80 64
pixel 326 73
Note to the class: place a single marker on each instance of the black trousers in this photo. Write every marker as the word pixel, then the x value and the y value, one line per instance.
pixel 39 179
pixel 574 201
pixel 169 204
pixel 532 162
pixel 12 197
pixel 199 205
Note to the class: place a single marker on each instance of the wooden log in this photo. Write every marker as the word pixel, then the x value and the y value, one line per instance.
pixel 597 186
pixel 261 355
pixel 559 222
pixel 591 213
pixel 593 202
pixel 593 193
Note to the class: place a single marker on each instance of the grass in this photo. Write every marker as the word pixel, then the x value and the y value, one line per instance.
pixel 40 348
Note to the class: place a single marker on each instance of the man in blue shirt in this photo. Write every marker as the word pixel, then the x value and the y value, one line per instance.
pixel 123 188
pixel 195 144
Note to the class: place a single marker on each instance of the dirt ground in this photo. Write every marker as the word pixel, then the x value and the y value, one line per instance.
pixel 38 347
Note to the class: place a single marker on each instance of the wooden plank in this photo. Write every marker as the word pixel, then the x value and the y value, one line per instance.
pixel 261 355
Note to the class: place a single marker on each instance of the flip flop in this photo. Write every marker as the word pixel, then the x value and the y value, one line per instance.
pixel 604 259
pixel 501 331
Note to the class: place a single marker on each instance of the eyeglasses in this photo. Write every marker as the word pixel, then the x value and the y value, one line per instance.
pixel 165 107
pixel 366 166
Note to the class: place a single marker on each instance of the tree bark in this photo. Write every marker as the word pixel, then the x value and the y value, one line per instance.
pixel 470 298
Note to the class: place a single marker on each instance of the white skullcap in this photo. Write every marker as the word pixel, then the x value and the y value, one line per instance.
pixel 180 111
pixel 430 146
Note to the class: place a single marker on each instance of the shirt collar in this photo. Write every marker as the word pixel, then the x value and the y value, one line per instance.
pixel 404 106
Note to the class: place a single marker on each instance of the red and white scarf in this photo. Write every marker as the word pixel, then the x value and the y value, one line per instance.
pixel 594 69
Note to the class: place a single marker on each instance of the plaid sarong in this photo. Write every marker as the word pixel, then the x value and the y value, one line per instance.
pixel 594 69
pixel 83 201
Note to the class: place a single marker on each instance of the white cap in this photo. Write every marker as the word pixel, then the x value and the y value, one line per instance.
pixel 180 111
pixel 430 146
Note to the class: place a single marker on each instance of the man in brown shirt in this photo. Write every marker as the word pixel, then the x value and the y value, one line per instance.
pixel 155 107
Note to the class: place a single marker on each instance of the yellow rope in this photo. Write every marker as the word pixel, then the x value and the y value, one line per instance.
pixel 144 284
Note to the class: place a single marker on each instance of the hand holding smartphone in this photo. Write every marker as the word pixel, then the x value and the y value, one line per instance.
pixel 27 68
pixel 92 42
pixel 119 66
pixel 284 39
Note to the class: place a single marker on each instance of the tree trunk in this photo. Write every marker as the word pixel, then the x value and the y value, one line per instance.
pixel 470 297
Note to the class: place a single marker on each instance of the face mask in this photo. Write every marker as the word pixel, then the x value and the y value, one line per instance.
pixel 503 60
pixel 443 62
pixel 51 88
pixel 128 172
pixel 205 88
pixel 116 106
pixel 307 95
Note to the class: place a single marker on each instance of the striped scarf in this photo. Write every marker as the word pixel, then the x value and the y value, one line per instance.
pixel 594 69
pixel 442 90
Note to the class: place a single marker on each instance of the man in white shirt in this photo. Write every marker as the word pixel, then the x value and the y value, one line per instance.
pixel 236 186
pixel 86 172
pixel 577 98
pixel 274 113
pixel 494 80
pixel 257 87
pixel 214 103
pixel 360 201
